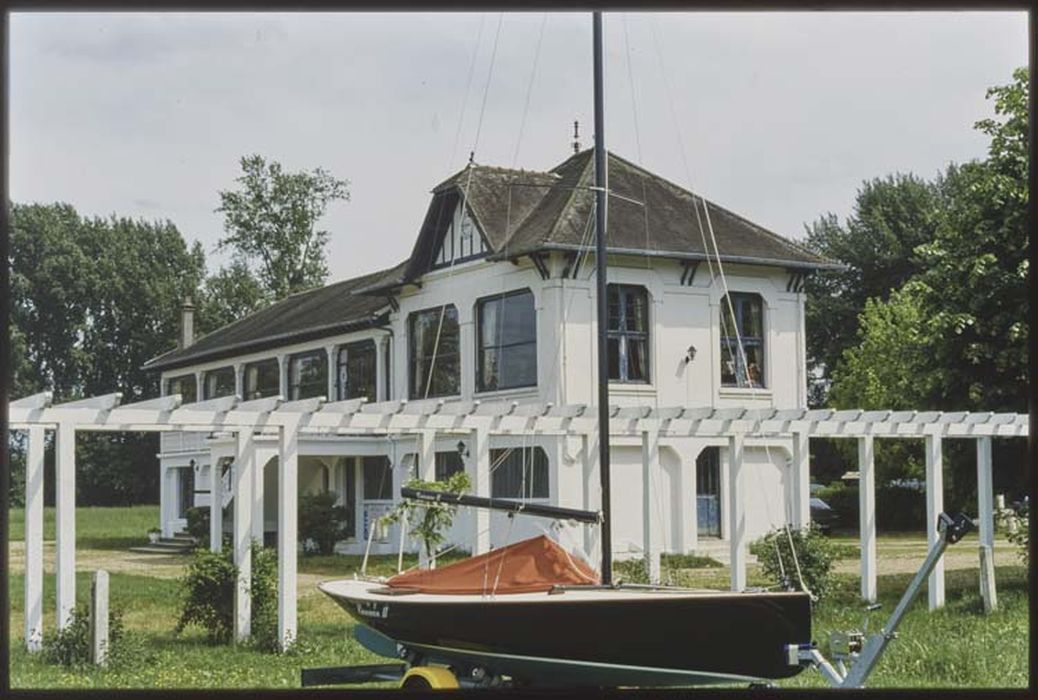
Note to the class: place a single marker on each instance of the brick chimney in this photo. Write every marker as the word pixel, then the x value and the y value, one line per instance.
pixel 187 324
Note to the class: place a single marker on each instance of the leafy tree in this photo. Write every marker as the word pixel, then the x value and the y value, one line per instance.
pixel 321 522
pixel 271 223
pixel 231 293
pixel 429 522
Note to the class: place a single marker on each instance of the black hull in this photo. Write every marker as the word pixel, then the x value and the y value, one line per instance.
pixel 733 636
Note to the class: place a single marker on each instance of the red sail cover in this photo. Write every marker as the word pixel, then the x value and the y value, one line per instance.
pixel 529 566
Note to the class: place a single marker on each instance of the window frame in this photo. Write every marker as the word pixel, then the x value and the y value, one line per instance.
pixel 180 378
pixel 412 391
pixel 213 373
pixel 623 336
pixel 533 450
pixel 738 300
pixel 340 362
pixel 292 383
pixel 480 348
pixel 247 390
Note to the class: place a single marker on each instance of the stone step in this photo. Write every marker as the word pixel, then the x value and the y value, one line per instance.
pixel 159 549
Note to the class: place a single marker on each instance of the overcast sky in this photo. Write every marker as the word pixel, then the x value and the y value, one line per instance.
pixel 781 116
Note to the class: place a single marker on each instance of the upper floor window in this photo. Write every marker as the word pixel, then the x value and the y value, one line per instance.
pixel 356 371
pixel 519 473
pixel 461 241
pixel 742 365
pixel 262 378
pixel 507 353
pixel 219 382
pixel 434 352
pixel 185 385
pixel 628 333
pixel 308 375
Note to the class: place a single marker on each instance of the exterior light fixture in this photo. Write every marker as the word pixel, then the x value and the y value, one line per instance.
pixel 463 451
pixel 690 354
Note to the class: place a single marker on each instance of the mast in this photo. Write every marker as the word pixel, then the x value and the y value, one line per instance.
pixel 602 300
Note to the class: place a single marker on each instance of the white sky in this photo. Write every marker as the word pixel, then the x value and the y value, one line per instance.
pixel 782 115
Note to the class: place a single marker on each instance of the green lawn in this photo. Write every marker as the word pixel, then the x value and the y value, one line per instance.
pixel 96 528
pixel 955 647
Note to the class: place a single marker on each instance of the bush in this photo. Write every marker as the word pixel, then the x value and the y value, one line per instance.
pixel 1022 537
pixel 429 521
pixel 198 524
pixel 209 584
pixel 70 647
pixel 321 522
pixel 814 554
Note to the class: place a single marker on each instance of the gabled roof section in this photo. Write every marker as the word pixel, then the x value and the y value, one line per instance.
pixel 315 313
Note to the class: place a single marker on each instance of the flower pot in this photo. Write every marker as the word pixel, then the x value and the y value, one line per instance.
pixel 153 537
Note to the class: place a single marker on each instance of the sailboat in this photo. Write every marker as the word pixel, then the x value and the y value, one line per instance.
pixel 530 614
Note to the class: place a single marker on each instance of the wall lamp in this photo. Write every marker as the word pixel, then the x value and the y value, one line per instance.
pixel 690 354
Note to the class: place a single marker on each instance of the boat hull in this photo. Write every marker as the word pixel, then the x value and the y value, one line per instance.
pixel 628 636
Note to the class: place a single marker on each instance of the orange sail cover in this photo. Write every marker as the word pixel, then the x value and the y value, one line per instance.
pixel 529 566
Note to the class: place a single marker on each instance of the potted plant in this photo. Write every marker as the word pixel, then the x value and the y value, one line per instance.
pixel 154 534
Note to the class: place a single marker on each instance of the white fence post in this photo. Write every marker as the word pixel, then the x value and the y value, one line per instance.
pixel 481 487
pixel 99 618
pixel 34 538
pixel 867 515
pixel 65 521
pixel 986 514
pixel 244 465
pixel 215 504
pixel 737 513
pixel 288 524
pixel 934 506
pixel 801 479
pixel 650 468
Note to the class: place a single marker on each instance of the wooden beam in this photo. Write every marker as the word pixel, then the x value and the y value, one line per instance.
pixel 34 402
pixel 105 402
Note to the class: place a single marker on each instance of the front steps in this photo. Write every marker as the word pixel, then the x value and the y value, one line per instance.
pixel 179 543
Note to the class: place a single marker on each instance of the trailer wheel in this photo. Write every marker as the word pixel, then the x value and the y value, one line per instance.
pixel 429 678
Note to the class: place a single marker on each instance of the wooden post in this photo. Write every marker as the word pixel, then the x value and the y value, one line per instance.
pixel 801 479
pixel 986 515
pixel 215 504
pixel 867 515
pixel 65 521
pixel 480 451
pixel 650 512
pixel 690 502
pixel 736 513
pixel 288 524
pixel 934 506
pixel 258 516
pixel 99 618
pixel 34 538
pixel 243 468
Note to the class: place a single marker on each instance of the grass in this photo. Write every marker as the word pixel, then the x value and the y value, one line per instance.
pixel 96 528
pixel 958 646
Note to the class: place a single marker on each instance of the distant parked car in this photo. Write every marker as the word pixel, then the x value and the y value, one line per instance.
pixel 823 515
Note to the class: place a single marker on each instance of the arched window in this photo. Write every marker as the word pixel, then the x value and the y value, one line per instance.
pixel 742 340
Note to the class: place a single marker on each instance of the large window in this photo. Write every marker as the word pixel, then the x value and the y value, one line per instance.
pixel 519 473
pixel 378 478
pixel 356 371
pixel 185 385
pixel 262 379
pixel 628 333
pixel 308 375
pixel 507 352
pixel 219 382
pixel 745 367
pixel 433 350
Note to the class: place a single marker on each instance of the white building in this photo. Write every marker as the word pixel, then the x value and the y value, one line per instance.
pixel 497 302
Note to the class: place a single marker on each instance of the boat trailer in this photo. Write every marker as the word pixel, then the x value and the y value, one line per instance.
pixel 854 656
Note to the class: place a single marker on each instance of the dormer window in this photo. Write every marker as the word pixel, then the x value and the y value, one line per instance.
pixel 461 242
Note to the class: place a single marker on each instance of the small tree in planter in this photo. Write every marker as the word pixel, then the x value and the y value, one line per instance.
pixel 321 522
pixel 429 522
pixel 154 534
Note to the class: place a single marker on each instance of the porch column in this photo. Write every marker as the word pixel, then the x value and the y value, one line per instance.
pixel 34 538
pixel 986 515
pixel 380 369
pixel 867 515
pixel 164 499
pixel 332 393
pixel 934 506
pixel 425 466
pixel 216 503
pixel 200 386
pixel 737 513
pixel 650 511
pixel 801 490
pixel 283 377
pixel 243 476
pixel 65 521
pixel 288 489
pixel 239 381
pixel 690 499
pixel 480 452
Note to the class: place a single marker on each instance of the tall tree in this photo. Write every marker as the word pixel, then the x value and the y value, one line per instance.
pixel 229 294
pixel 271 223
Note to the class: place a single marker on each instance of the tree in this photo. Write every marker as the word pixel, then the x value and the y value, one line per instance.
pixel 271 223
pixel 231 293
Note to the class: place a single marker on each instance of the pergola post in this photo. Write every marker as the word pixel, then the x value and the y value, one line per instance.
pixel 736 513
pixel 690 501
pixel 288 524
pixel 258 516
pixel 65 521
pixel 34 538
pixel 934 506
pixel 587 476
pixel 801 490
pixel 867 515
pixel 986 515
pixel 216 504
pixel 650 468
pixel 243 478
pixel 481 487
pixel 425 469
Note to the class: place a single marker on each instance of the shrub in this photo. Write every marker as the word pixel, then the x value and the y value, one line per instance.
pixel 321 522
pixel 70 647
pixel 198 524
pixel 814 554
pixel 1022 536
pixel 209 596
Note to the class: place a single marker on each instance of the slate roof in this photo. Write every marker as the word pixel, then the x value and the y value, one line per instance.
pixel 315 313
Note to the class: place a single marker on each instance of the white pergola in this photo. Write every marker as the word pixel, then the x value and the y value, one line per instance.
pixel 291 419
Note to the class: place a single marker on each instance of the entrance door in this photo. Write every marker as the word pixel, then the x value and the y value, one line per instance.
pixel 185 490
pixel 708 492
